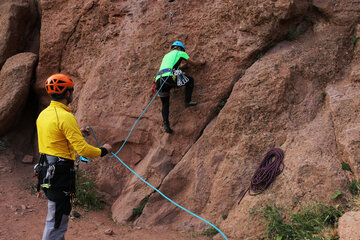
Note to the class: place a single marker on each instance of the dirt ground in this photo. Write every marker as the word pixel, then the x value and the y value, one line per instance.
pixel 22 214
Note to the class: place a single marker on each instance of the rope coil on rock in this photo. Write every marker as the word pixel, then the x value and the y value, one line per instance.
pixel 270 167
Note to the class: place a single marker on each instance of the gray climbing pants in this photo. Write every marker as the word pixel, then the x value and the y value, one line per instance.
pixel 51 233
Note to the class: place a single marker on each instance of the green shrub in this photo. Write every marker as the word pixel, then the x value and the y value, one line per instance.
pixel 210 232
pixel 354 39
pixel 138 210
pixel 323 96
pixel 86 195
pixel 305 224
pixel 345 167
pixel 354 187
pixel 221 105
pixel 259 56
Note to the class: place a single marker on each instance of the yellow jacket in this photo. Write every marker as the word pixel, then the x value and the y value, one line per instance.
pixel 59 133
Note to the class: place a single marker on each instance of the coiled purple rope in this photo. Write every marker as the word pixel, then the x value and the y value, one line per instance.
pixel 270 167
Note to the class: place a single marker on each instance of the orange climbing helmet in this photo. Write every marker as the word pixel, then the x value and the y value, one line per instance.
pixel 58 83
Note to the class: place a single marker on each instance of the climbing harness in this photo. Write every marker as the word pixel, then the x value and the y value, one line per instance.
pixel 270 167
pixel 54 173
pixel 165 70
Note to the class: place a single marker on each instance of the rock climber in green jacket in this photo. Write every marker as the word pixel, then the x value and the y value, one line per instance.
pixel 173 77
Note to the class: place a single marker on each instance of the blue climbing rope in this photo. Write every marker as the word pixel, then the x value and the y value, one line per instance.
pixel 115 155
pixel 217 229
pixel 138 119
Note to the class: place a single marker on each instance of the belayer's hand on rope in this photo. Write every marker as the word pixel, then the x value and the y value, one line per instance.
pixel 85 131
pixel 106 148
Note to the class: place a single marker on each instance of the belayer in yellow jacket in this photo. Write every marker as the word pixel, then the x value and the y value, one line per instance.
pixel 59 136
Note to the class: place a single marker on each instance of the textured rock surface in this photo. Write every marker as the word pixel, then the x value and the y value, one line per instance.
pixel 18 32
pixel 284 105
pixel 287 70
pixel 341 12
pixel 15 77
pixel 349 226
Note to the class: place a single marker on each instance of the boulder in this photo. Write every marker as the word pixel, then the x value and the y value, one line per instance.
pixel 15 81
pixel 348 228
pixel 18 30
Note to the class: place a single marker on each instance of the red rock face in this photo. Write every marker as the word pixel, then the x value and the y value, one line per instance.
pixel 287 71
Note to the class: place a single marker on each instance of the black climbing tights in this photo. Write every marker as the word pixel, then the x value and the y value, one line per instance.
pixel 189 86
pixel 165 108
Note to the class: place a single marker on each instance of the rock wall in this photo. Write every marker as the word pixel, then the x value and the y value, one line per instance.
pixel 288 71
pixel 19 43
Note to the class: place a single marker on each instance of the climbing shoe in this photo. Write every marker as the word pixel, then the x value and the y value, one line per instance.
pixel 190 104
pixel 167 128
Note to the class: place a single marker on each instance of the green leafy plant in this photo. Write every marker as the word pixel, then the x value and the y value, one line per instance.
pixel 354 187
pixel 307 223
pixel 354 39
pixel 86 195
pixel 337 194
pixel 259 56
pixel 224 216
pixel 345 167
pixel 138 210
pixel 210 232
pixel 221 105
pixel 323 96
